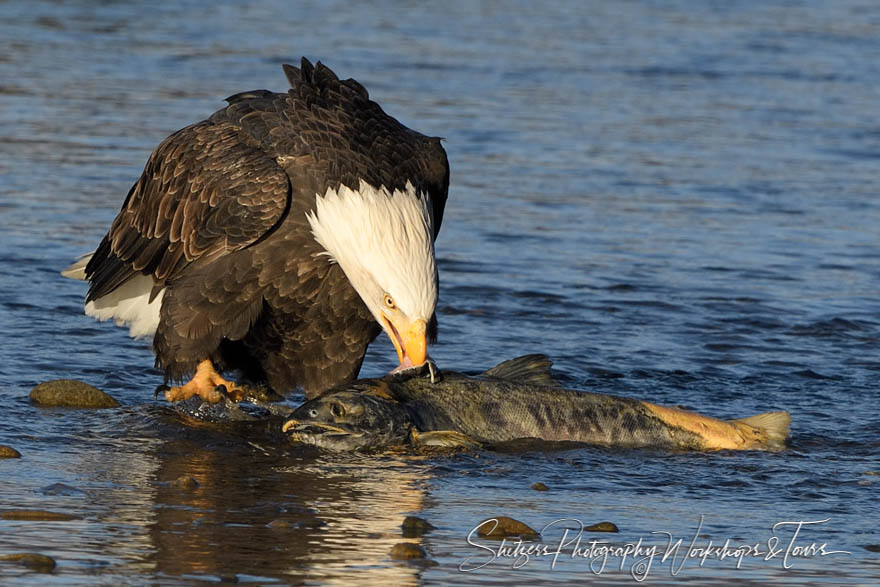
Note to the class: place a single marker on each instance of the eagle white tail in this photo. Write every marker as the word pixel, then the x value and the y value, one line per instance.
pixel 127 305
pixel 78 269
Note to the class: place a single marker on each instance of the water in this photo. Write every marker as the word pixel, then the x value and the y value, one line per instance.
pixel 675 201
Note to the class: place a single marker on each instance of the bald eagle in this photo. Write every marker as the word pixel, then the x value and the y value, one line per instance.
pixel 277 238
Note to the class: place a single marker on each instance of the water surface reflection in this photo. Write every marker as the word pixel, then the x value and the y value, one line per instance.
pixel 280 513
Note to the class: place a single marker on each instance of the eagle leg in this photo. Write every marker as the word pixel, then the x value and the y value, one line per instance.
pixel 207 384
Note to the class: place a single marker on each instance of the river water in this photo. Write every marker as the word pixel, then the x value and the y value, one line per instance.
pixel 676 201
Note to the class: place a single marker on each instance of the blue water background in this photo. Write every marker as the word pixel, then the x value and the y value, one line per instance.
pixel 676 201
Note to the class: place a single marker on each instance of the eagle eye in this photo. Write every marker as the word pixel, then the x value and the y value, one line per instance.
pixel 389 302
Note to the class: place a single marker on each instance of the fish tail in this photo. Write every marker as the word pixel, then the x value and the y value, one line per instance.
pixel 763 431
pixel 772 427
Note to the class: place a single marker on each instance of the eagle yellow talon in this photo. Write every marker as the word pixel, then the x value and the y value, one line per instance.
pixel 207 384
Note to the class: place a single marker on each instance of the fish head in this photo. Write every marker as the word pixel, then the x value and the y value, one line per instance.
pixel 350 420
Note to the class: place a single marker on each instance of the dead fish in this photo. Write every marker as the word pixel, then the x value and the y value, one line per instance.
pixel 517 399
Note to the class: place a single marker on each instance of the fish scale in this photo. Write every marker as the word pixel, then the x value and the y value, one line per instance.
pixel 500 411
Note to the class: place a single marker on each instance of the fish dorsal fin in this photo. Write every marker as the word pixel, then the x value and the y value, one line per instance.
pixel 533 369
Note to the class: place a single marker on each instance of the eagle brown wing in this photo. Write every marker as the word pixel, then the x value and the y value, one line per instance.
pixel 203 193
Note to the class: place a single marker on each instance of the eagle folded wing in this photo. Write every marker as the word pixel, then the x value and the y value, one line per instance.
pixel 203 193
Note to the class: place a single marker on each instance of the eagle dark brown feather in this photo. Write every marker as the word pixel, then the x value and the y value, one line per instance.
pixel 218 219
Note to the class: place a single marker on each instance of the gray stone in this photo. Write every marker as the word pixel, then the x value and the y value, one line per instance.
pixel 70 393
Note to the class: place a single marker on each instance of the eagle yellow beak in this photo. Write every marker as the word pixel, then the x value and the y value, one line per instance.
pixel 410 340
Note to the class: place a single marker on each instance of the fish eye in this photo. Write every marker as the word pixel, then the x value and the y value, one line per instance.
pixel 337 409
pixel 313 413
pixel 389 302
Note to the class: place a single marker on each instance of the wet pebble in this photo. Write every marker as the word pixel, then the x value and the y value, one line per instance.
pixel 602 527
pixel 413 527
pixel 539 486
pixel 36 515
pixel 70 393
pixel 32 560
pixel 7 452
pixel 504 527
pixel 185 482
pixel 407 551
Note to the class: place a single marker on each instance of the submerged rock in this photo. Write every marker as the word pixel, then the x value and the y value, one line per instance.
pixel 413 527
pixel 32 560
pixel 7 452
pixel 185 482
pixel 602 527
pixel 280 524
pixel 407 551
pixel 503 527
pixel 539 486
pixel 206 522
pixel 36 515
pixel 70 393
pixel 296 524
pixel 60 489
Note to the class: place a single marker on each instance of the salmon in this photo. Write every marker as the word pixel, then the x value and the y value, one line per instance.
pixel 517 399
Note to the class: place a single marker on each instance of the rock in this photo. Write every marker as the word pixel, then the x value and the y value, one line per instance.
pixel 407 551
pixel 602 527
pixel 873 548
pixel 185 482
pixel 7 452
pixel 539 486
pixel 70 393
pixel 36 515
pixel 503 527
pixel 413 527
pixel 32 560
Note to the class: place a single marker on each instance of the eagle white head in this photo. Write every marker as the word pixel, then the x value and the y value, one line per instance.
pixel 384 242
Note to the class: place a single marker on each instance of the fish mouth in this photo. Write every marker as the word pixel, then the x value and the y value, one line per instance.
pixel 307 432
